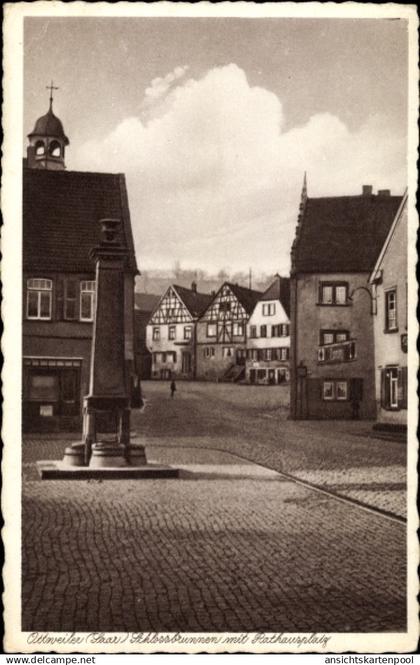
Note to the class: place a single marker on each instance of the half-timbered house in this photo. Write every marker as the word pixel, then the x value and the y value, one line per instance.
pixel 268 336
pixel 170 333
pixel 221 333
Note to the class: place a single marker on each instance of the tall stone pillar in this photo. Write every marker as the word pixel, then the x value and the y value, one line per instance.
pixel 108 385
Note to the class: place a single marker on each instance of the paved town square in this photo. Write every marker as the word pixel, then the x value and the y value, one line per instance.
pixel 231 545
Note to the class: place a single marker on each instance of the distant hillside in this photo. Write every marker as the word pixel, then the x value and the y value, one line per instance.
pixel 155 282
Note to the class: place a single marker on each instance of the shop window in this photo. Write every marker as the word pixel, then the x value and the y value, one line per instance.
pixel 391 322
pixel 39 297
pixel 87 300
pixel 335 391
pixel 333 293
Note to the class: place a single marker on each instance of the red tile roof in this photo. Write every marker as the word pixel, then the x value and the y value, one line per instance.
pixel 342 234
pixel 61 213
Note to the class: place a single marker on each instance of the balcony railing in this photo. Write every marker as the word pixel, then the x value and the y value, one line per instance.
pixel 339 352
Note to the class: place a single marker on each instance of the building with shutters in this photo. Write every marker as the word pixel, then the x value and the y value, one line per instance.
pixel 338 241
pixel 389 284
pixel 145 303
pixel 221 333
pixel 61 213
pixel 170 333
pixel 268 336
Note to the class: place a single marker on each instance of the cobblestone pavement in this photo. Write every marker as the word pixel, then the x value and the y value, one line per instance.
pixel 226 548
pixel 250 421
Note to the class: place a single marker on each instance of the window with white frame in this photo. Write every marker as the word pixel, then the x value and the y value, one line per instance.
pixel 39 299
pixel 391 322
pixel 187 332
pixel 171 332
pixel 238 328
pixel 269 309
pixel 87 300
pixel 211 330
pixel 335 391
pixel 333 293
pixel 156 334
pixel 333 336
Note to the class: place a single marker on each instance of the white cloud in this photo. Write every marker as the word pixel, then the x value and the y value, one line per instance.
pixel 213 179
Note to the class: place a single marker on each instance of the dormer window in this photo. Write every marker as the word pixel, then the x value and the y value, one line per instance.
pixel 55 149
pixel 39 297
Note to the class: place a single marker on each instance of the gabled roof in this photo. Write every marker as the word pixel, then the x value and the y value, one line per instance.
pixel 247 297
pixel 195 302
pixel 279 290
pixel 342 233
pixel 145 302
pixel 389 237
pixel 61 213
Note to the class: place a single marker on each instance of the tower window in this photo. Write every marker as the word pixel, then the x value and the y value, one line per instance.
pixel 55 149
pixel 39 148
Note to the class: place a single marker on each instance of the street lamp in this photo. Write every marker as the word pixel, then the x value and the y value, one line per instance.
pixel 373 299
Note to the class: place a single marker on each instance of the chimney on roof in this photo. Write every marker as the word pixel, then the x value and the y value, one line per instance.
pixel 194 287
pixel 384 192
pixel 367 190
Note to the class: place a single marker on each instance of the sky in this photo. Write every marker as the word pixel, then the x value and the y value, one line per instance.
pixel 215 120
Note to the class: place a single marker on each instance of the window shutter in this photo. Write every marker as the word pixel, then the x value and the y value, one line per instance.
pixel 383 389
pixel 402 387
pixel 59 300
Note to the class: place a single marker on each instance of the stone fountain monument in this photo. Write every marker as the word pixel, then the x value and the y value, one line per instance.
pixel 112 455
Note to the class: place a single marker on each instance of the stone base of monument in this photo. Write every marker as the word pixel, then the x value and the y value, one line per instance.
pixel 108 461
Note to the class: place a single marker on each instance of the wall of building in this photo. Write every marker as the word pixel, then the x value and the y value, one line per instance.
pixel 168 368
pixel 57 339
pixel 388 345
pixel 261 371
pixel 212 368
pixel 308 318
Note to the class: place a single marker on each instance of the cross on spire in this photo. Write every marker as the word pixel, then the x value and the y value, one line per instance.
pixel 51 88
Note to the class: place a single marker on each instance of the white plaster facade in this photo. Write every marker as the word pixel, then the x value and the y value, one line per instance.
pixel 389 282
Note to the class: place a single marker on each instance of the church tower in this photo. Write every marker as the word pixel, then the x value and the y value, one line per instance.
pixel 47 141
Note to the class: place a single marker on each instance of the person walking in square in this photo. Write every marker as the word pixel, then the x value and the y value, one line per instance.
pixel 173 388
